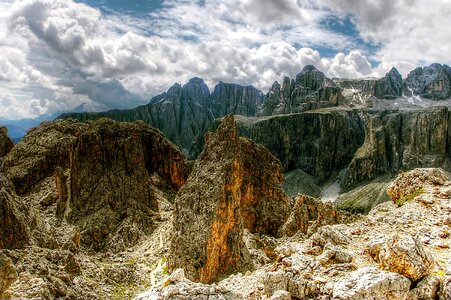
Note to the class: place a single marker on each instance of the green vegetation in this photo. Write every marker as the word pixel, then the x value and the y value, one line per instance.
pixel 409 197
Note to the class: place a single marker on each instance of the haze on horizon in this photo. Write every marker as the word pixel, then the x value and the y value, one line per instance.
pixel 59 54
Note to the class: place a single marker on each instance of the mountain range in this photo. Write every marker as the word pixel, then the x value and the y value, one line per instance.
pixel 185 111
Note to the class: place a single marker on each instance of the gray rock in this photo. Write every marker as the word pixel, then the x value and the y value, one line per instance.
pixel 14 224
pixel 400 140
pixel 310 90
pixel 389 87
pixel 299 182
pixel 432 82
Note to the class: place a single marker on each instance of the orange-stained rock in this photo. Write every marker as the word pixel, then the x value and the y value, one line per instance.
pixel 235 184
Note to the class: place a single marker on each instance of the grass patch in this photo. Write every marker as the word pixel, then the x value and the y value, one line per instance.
pixel 409 197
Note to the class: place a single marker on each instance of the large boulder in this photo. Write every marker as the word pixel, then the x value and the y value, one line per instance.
pixel 235 184
pixel 370 283
pixel 405 255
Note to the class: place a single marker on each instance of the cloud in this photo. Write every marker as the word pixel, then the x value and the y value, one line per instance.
pixel 409 33
pixel 66 53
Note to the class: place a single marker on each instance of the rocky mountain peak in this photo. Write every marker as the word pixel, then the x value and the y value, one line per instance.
pixel 390 86
pixel 432 82
pixel 196 90
pixel 312 78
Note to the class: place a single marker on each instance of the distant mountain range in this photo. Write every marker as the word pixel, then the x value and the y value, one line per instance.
pixel 183 112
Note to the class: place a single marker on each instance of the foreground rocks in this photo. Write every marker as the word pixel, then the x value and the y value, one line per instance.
pixel 397 263
pixel 235 184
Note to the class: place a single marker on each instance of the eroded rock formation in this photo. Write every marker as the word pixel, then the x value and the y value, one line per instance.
pixel 14 229
pixel 235 184
pixel 6 144
pixel 106 173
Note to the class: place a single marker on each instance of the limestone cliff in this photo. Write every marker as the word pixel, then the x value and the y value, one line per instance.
pixel 235 184
pixel 401 140
pixel 320 143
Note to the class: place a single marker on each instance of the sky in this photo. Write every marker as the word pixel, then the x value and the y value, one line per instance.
pixel 61 55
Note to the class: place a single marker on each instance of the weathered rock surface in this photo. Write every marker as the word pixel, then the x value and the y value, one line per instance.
pixel 356 92
pixel 414 181
pixel 389 87
pixel 427 288
pixel 372 284
pixel 308 214
pixel 41 150
pixel 6 144
pixel 310 90
pixel 109 172
pixel 319 143
pixel 362 199
pixel 8 273
pixel 432 82
pixel 405 255
pixel 401 140
pixel 14 231
pixel 107 175
pixel 229 98
pixel 235 184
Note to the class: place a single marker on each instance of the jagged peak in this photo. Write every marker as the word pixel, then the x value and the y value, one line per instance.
pixel 310 68
pixel 197 83
pixel 227 130
pixel 394 74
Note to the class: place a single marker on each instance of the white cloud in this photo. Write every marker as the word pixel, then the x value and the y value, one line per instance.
pixel 66 53
pixel 409 32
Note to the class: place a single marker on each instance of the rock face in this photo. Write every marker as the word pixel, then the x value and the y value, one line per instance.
pixel 6 144
pixel 405 255
pixel 371 283
pixel 401 140
pixel 110 168
pixel 229 98
pixel 183 112
pixel 389 87
pixel 107 175
pixel 432 82
pixel 235 184
pixel 14 232
pixel 310 90
pixel 356 91
pixel 414 181
pixel 36 157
